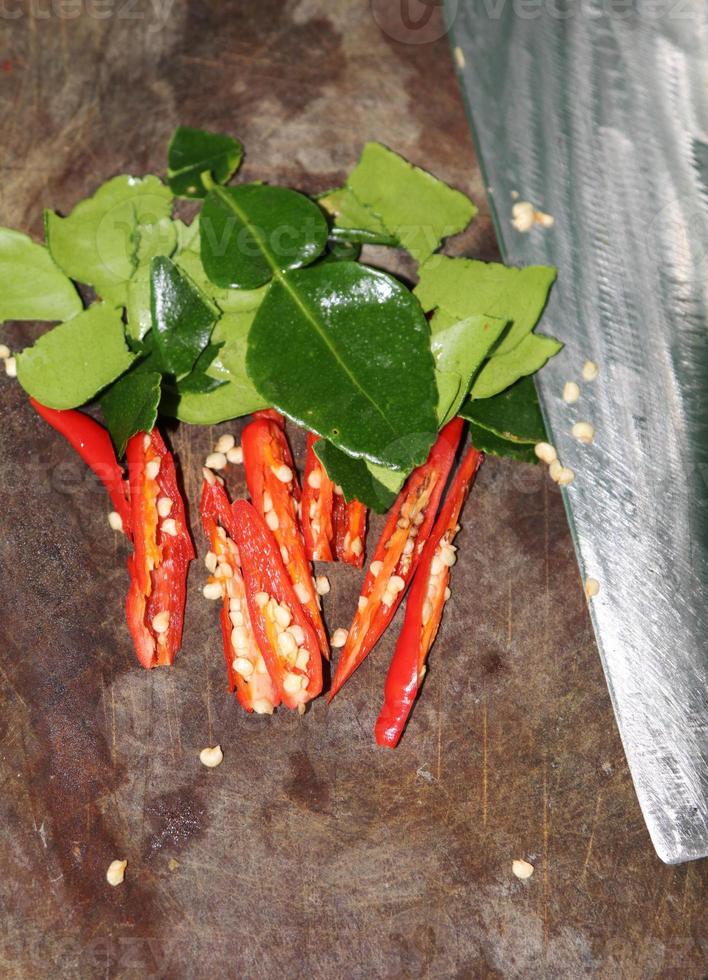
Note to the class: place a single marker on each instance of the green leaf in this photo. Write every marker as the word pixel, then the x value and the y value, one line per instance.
pixel 198 381
pixel 417 209
pixel 228 300
pixel 503 370
pixel 490 442
pixel 236 395
pixel 100 241
pixel 193 152
pixel 130 406
pixel 515 414
pixel 251 232
pixel 353 222
pixel 354 477
pixel 345 351
pixel 459 348
pixel 69 364
pixel 32 286
pixel 464 287
pixel 182 317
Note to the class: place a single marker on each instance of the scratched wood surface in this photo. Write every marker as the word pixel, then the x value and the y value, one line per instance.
pixel 309 852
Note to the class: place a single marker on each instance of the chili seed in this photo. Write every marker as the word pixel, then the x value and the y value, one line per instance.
pixel 235 455
pixel 152 469
pixel 211 757
pixel 298 632
pixel 322 585
pixel 291 683
pixel 583 432
pixel 522 869
pixel 116 872
pixel 590 371
pixel 436 565
pixel 161 622
pixel 11 367
pixel 375 567
pixel 571 392
pixel 362 603
pixel 284 554
pixel 242 666
pixel 239 638
pixel 272 521
pixel 261 599
pixel 448 556
pixel 224 443
pixel 302 659
pixel 592 587
pixel 301 592
pixel 282 473
pixel 314 479
pixel 565 476
pixel 447 593
pixel 210 561
pixel 164 506
pixel 545 452
pixel 357 547
pixel 262 706
pixel 169 526
pixel 215 461
pixel 282 616
pixel 224 570
pixel 338 490
pixel 234 604
pixel 287 644
pixel 339 638
pixel 115 521
pixel 5 352
pixel 236 617
pixel 208 476
pixel 419 518
pixel 409 546
pixel 388 598
pixel 212 590
pixel 396 584
pixel 554 469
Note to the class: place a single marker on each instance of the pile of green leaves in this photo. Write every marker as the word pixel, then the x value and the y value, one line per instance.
pixel 261 301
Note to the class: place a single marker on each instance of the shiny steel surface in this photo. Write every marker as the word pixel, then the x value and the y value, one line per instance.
pixel 598 115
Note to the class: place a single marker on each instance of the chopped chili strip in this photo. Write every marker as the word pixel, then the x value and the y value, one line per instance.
pixel 349 530
pixel 316 506
pixel 162 551
pixel 275 492
pixel 93 444
pixel 424 608
pixel 283 631
pixel 398 553
pixel 246 668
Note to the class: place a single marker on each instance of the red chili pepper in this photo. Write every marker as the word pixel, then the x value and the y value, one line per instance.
pixel 349 530
pixel 398 553
pixel 283 631
pixel 93 444
pixel 163 550
pixel 424 608
pixel 316 506
pixel 246 668
pixel 275 492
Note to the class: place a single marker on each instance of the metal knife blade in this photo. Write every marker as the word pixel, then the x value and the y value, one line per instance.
pixel 597 113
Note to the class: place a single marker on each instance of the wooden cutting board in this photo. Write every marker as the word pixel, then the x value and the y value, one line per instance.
pixel 309 851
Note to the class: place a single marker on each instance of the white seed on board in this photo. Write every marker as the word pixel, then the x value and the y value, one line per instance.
pixel 262 706
pixel 116 872
pixel 314 479
pixel 224 443
pixel 272 521
pixel 583 432
pixel 243 666
pixel 301 592
pixel 590 371
pixel 282 473
pixel 554 469
pixel 211 757
pixel 339 638
pixel 5 352
pixel 161 622
pixel 235 455
pixel 357 547
pixel 164 506
pixel 11 367
pixel 545 452
pixel 522 869
pixel 169 526
pixel 571 392
pixel 115 521
pixel 210 561
pixel 565 477
pixel 152 469
pixel 592 587
pixel 215 461
pixel 212 590
pixel 322 585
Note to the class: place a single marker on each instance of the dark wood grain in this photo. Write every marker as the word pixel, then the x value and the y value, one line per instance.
pixel 309 852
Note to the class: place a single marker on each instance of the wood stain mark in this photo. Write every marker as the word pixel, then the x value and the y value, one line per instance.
pixel 588 851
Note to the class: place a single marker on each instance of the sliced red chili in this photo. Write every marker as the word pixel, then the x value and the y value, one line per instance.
pixel 93 444
pixel 398 553
pixel 162 551
pixel 282 628
pixel 246 668
pixel 424 608
pixel 349 530
pixel 275 492
pixel 316 506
